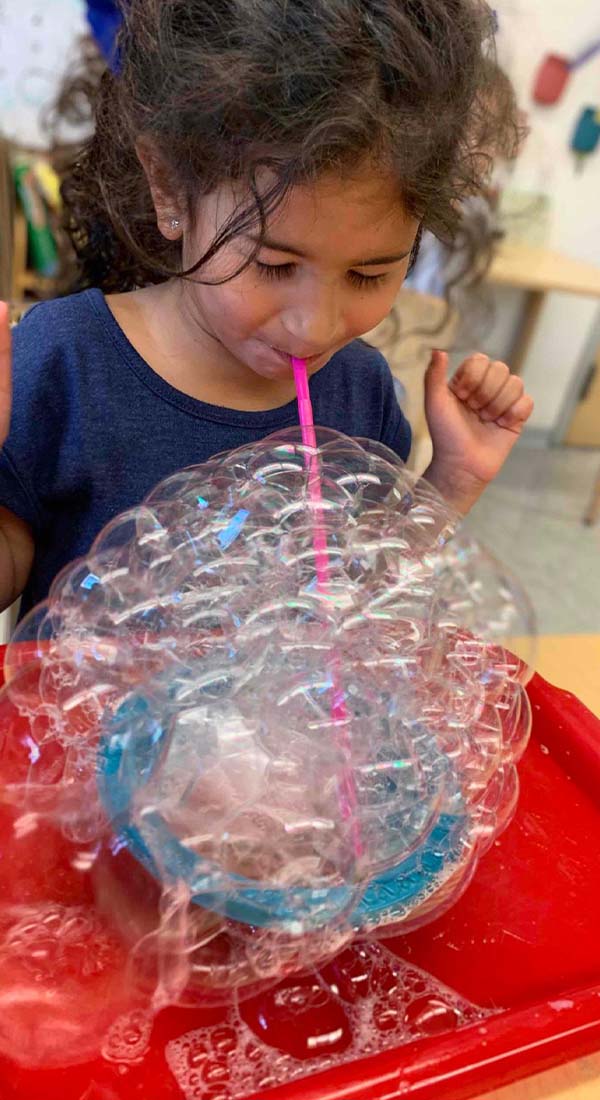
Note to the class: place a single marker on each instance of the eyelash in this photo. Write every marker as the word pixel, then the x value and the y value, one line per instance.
pixel 285 271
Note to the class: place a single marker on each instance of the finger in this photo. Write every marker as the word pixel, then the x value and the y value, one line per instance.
pixel 5 372
pixel 501 402
pixel 469 376
pixel 517 415
pixel 494 381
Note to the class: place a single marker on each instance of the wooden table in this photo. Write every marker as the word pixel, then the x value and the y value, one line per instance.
pixel 576 1081
pixel 539 271
pixel 572 662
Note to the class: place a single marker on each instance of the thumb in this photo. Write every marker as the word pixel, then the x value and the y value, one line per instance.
pixel 436 375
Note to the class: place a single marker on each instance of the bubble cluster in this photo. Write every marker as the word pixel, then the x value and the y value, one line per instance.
pixel 231 768
pixel 362 1003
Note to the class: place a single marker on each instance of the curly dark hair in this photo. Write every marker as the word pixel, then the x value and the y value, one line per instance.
pixel 226 88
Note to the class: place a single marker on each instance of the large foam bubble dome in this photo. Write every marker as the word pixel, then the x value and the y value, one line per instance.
pixel 217 769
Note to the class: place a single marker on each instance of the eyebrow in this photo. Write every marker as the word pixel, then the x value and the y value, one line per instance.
pixel 378 261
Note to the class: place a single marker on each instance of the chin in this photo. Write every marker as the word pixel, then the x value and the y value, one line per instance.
pixel 267 366
pixel 272 372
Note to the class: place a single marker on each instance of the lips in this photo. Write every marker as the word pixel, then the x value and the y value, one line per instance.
pixel 308 359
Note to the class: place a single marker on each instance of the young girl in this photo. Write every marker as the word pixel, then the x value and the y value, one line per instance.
pixel 255 189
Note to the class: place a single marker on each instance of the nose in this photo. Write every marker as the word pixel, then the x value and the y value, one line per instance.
pixel 313 319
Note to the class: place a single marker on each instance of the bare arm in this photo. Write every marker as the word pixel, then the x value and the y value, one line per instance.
pixel 16 556
pixel 16 541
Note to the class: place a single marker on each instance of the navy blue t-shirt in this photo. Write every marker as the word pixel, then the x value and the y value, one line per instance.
pixel 94 428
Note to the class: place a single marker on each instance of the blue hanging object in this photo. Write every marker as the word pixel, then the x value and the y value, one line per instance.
pixel 586 136
pixel 104 18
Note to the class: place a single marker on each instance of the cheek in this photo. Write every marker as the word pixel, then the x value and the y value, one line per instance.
pixel 240 307
pixel 368 309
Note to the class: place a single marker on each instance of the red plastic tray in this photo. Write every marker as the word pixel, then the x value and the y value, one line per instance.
pixel 522 943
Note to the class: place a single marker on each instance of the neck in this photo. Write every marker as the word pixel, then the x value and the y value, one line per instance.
pixel 171 337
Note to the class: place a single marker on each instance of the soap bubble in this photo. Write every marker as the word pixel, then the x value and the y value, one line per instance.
pixel 252 723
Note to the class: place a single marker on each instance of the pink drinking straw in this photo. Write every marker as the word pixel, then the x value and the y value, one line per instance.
pixel 314 478
pixel 339 712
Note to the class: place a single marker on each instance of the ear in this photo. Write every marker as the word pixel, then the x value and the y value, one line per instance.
pixel 167 200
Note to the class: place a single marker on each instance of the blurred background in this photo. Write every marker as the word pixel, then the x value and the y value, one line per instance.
pixel 522 282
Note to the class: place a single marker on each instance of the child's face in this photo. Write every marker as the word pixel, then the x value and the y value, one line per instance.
pixel 336 255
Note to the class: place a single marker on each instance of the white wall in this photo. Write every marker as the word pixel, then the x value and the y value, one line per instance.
pixel 36 38
pixel 528 30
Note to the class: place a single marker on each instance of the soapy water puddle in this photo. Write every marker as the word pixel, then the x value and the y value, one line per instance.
pixel 365 1001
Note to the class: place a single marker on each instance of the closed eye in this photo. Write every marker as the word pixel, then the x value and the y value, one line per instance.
pixel 366 281
pixel 275 271
pixel 285 271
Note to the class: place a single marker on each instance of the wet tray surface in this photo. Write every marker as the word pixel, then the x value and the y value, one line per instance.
pixel 505 984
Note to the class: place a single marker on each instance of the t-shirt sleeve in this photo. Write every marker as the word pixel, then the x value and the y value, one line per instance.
pixel 395 430
pixel 25 458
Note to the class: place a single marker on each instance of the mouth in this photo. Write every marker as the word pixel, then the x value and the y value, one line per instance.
pixel 310 360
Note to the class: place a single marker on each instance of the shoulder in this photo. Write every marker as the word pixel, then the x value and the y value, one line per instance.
pixel 355 394
pixel 56 342
pixel 360 369
pixel 359 357
pixel 55 324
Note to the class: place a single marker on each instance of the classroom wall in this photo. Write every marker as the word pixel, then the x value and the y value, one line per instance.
pixel 528 29
pixel 37 38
